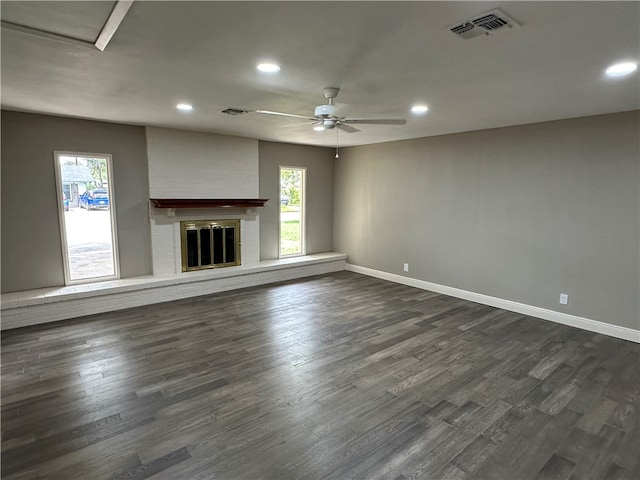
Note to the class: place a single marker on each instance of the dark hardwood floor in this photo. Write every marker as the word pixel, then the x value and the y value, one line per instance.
pixel 339 376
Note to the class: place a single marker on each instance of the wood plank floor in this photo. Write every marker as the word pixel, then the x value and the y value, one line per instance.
pixel 333 377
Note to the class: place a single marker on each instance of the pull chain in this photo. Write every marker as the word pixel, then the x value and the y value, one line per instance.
pixel 337 153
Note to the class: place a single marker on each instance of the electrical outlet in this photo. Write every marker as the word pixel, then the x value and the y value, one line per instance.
pixel 564 299
pixel 406 267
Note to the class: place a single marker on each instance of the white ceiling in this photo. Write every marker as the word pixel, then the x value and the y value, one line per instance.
pixel 385 56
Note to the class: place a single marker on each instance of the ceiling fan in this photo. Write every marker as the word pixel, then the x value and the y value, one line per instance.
pixel 325 116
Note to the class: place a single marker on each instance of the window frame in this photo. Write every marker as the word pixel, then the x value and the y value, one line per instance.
pixel 303 209
pixel 62 223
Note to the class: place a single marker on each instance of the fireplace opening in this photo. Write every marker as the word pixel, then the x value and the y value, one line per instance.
pixel 210 244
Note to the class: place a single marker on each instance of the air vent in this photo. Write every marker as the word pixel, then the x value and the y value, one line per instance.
pixel 234 111
pixel 490 22
pixel 485 24
pixel 467 30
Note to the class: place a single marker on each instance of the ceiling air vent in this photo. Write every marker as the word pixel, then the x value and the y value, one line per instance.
pixel 234 111
pixel 490 22
pixel 467 30
pixel 485 24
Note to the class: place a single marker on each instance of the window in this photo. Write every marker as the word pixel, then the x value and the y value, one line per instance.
pixel 87 216
pixel 292 200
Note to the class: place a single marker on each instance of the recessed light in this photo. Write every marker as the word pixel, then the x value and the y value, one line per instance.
pixel 620 69
pixel 419 109
pixel 184 107
pixel 269 67
pixel 319 128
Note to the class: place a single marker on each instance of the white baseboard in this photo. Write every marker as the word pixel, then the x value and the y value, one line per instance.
pixel 530 310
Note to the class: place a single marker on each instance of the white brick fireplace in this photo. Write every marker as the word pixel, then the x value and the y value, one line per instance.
pixel 193 165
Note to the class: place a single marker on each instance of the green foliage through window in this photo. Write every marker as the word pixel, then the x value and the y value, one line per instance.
pixel 290 183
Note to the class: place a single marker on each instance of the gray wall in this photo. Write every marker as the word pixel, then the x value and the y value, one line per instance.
pixel 319 197
pixel 521 213
pixel 31 245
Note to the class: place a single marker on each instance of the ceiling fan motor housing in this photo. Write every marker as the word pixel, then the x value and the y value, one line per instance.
pixel 324 111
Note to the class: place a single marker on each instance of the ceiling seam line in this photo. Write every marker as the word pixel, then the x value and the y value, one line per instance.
pixel 36 32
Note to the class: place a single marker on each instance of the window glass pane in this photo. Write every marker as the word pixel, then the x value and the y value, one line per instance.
pixel 291 211
pixel 87 217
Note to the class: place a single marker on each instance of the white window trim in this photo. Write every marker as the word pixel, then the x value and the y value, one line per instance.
pixel 303 215
pixel 61 222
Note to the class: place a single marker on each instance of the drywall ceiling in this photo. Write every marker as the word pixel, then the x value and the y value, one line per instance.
pixel 385 57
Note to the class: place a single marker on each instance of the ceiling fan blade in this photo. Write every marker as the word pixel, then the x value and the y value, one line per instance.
pixel 280 114
pixel 346 128
pixel 378 121
pixel 298 124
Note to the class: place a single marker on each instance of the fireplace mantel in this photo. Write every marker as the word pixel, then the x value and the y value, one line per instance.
pixel 175 203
